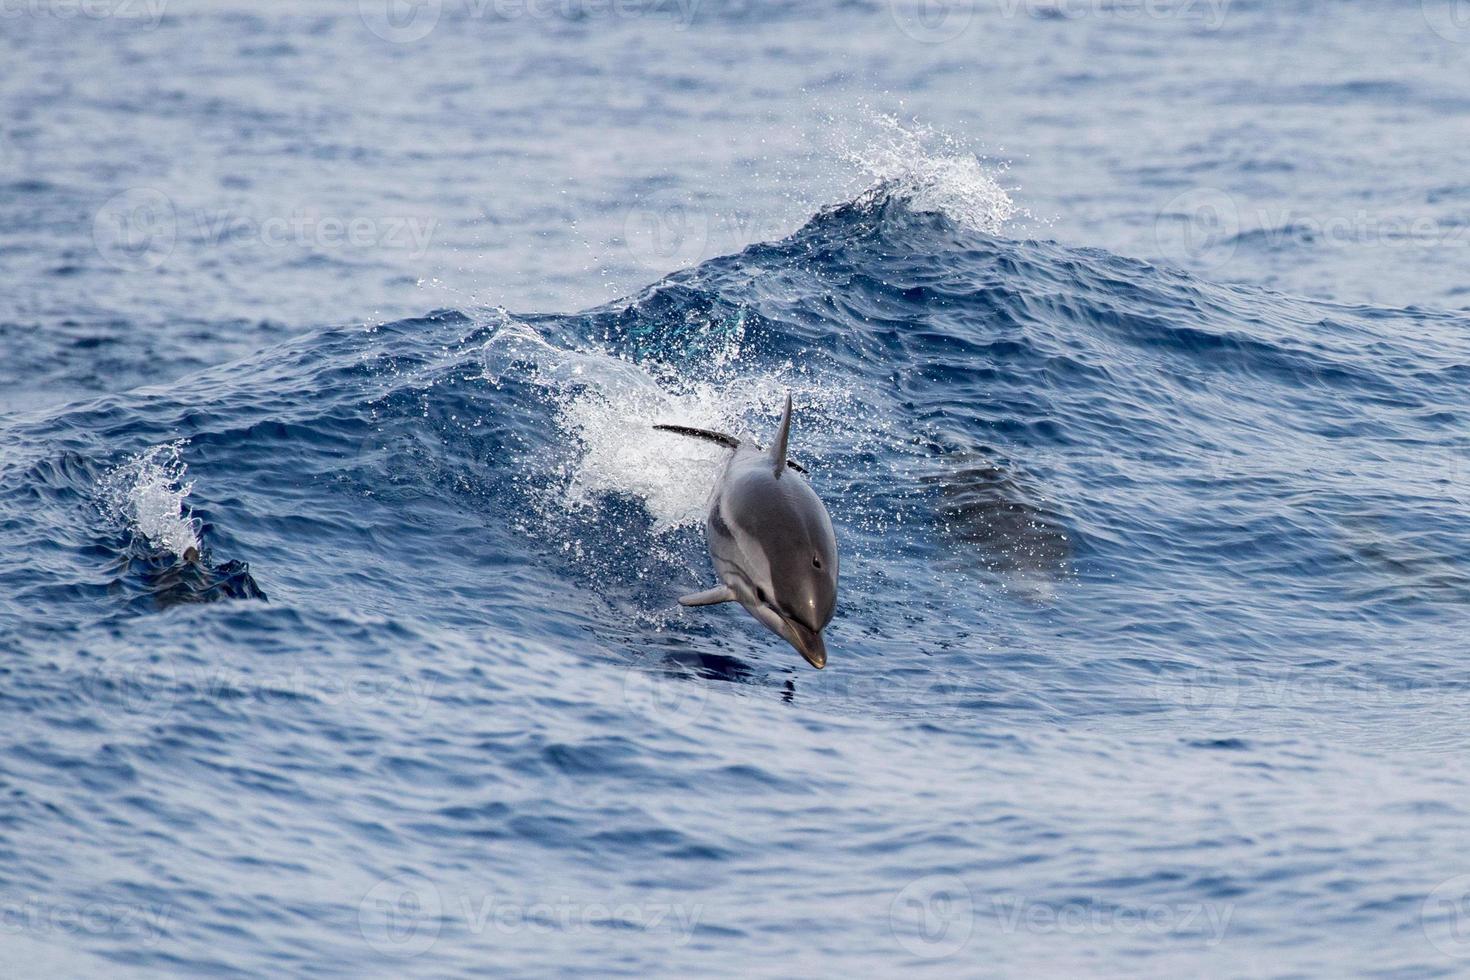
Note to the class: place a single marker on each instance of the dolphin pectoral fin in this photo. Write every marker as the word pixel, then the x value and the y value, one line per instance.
pixel 728 441
pixel 709 597
pixel 721 438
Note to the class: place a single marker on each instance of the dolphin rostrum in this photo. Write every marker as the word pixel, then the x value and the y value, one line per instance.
pixel 770 540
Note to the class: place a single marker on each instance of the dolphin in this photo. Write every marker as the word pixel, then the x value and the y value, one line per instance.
pixel 770 540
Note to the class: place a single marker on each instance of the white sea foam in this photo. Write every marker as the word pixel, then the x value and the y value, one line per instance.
pixel 930 171
pixel 147 493
pixel 605 407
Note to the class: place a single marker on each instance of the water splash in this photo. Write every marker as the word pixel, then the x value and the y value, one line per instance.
pixel 605 408
pixel 147 492
pixel 930 171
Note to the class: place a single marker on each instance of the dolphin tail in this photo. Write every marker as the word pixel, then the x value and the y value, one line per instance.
pixel 728 441
pixel 783 436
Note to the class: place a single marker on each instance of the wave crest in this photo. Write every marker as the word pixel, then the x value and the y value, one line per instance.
pixel 931 171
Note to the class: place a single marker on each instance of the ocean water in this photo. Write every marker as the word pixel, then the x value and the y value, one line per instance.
pixel 1130 351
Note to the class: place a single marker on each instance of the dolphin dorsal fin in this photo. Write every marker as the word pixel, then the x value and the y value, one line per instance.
pixel 783 436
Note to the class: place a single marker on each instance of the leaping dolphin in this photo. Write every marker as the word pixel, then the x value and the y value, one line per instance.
pixel 770 540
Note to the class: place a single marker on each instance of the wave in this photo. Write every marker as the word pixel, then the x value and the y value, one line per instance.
pixel 990 420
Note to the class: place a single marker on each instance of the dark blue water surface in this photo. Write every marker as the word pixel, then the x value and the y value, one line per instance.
pixel 1150 655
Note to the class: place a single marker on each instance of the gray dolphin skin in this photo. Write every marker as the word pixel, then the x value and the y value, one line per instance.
pixel 770 540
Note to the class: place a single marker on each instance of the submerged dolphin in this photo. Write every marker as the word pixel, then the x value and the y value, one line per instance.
pixel 771 541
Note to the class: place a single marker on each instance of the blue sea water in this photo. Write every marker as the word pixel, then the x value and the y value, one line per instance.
pixel 1130 354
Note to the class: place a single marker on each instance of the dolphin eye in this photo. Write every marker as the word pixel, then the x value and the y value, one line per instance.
pixel 760 595
pixel 816 562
